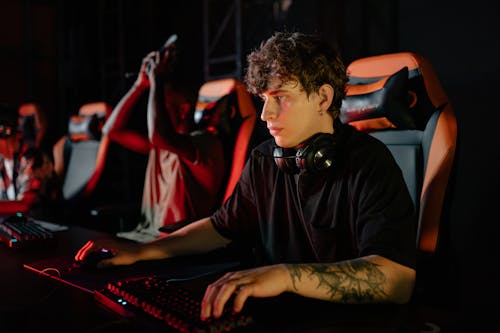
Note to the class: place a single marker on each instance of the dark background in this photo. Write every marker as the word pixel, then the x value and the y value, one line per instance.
pixel 62 54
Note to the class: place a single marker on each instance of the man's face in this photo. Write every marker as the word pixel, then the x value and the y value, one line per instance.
pixel 179 110
pixel 9 146
pixel 291 115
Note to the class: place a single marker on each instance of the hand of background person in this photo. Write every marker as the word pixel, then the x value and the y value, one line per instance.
pixel 142 78
pixel 266 281
pixel 159 65
pixel 124 253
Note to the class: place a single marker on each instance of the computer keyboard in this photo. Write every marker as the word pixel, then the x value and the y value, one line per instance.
pixel 169 303
pixel 19 231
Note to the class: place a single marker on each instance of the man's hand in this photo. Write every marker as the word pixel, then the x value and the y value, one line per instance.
pixel 124 253
pixel 143 76
pixel 264 281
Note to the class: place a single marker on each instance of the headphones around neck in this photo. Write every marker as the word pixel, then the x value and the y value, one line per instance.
pixel 314 155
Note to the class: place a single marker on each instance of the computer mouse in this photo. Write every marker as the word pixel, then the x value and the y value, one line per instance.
pixel 92 258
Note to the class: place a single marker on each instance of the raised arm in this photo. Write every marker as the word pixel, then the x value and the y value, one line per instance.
pixel 166 104
pixel 116 125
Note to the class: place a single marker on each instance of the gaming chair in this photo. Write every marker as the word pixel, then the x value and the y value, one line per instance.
pixel 80 155
pixel 227 105
pixel 398 99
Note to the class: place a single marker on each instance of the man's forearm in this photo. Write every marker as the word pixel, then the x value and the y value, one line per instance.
pixel 195 238
pixel 119 116
pixel 354 281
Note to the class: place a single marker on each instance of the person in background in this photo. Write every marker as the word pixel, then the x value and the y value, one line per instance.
pixel 186 165
pixel 33 123
pixel 27 179
pixel 324 207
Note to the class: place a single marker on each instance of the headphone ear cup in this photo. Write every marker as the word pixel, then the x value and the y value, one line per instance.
pixel 317 155
pixel 285 160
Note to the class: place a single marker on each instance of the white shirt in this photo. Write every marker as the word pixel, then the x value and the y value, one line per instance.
pixel 9 168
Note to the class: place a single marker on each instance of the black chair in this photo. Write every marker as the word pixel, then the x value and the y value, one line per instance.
pixel 88 165
pixel 80 156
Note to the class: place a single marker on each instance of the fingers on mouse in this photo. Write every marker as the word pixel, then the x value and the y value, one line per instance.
pixel 92 258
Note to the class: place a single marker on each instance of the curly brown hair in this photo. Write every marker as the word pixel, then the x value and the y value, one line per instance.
pixel 294 56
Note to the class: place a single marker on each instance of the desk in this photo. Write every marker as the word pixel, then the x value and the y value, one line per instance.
pixel 33 303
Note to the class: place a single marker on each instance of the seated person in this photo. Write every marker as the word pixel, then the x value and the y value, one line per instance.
pixel 323 206
pixel 27 180
pixel 33 124
pixel 186 166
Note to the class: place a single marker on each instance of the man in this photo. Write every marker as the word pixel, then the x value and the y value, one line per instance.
pixel 186 166
pixel 325 207
pixel 27 180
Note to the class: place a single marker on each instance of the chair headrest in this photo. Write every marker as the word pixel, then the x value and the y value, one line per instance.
pixel 101 109
pixel 212 99
pixel 85 128
pixel 87 124
pixel 29 109
pixel 398 90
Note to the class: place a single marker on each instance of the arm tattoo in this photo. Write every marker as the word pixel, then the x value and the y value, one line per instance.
pixel 356 281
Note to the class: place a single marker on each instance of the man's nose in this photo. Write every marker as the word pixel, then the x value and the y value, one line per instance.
pixel 268 111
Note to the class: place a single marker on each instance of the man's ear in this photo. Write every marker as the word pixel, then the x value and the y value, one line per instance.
pixel 325 94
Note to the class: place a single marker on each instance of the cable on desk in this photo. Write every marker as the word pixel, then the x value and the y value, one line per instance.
pixel 52 269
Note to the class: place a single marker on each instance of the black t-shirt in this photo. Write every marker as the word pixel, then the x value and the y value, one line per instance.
pixel 359 206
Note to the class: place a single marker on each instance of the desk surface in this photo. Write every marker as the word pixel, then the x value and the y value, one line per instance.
pixel 31 302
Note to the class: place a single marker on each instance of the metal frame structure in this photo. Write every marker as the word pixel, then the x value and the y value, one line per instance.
pixel 222 39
